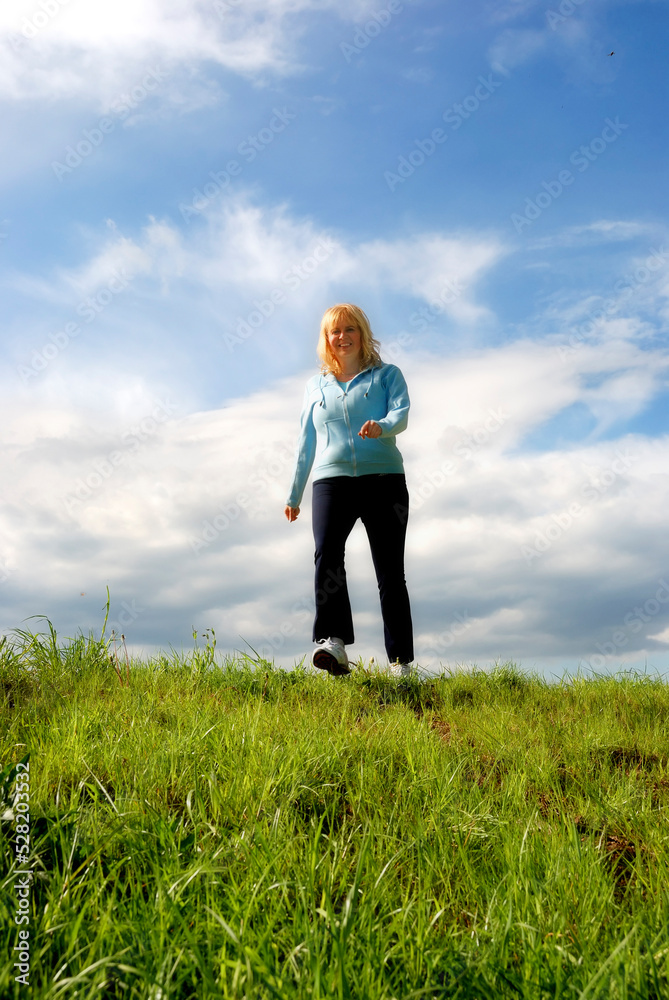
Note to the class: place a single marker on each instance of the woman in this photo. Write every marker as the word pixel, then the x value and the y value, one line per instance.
pixel 352 412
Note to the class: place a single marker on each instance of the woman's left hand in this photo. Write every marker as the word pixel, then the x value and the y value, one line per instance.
pixel 370 429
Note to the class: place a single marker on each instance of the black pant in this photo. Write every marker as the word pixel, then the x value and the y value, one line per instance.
pixel 382 504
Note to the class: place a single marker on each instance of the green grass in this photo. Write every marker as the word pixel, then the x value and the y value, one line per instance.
pixel 228 829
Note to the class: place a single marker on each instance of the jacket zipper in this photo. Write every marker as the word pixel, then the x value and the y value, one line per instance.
pixel 350 435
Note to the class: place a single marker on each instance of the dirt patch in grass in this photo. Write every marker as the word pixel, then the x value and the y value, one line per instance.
pixel 442 728
pixel 628 759
pixel 619 855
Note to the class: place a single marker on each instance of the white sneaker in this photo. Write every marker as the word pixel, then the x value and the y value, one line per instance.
pixel 330 655
pixel 399 669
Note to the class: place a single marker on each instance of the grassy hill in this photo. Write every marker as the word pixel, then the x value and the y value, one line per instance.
pixel 204 828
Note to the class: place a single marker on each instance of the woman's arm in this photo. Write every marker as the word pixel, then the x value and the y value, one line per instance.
pixel 305 454
pixel 397 417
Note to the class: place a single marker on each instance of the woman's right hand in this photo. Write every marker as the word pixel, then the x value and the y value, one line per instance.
pixel 292 512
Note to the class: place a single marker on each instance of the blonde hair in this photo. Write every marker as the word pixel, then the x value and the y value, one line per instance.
pixel 369 347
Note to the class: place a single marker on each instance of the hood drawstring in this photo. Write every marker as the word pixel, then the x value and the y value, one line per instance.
pixel 371 384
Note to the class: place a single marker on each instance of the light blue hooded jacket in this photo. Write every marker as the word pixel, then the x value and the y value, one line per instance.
pixel 333 414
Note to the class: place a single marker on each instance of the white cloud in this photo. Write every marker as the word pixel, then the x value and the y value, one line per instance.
pixel 508 10
pixel 120 257
pixel 112 483
pixel 183 516
pixel 571 37
pixel 513 47
pixel 95 51
pixel 440 270
pixel 602 231
pixel 250 246
pixel 662 636
pixel 233 259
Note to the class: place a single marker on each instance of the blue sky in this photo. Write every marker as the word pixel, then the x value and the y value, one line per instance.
pixel 189 185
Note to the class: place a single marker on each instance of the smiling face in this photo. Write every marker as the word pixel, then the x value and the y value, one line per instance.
pixel 345 342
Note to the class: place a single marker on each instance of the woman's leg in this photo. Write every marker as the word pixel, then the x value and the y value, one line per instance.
pixel 385 510
pixel 333 515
